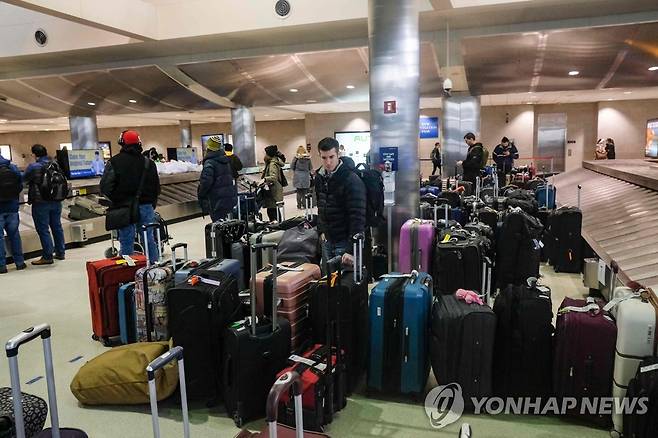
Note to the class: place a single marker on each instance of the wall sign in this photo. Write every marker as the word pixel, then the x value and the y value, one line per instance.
pixel 389 154
pixel 429 127
pixel 390 107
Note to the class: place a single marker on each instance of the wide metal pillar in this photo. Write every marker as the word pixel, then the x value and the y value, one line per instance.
pixel 84 132
pixel 243 128
pixel 394 47
pixel 461 114
pixel 185 133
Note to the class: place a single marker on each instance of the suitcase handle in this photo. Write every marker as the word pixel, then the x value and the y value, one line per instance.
pixel 359 240
pixel 11 348
pixel 309 206
pixel 175 353
pixel 275 273
pixel 145 229
pixel 283 384
pixel 173 254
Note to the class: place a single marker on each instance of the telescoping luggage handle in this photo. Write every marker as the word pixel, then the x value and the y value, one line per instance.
pixel 145 229
pixel 309 206
pixel 43 331
pixel 465 431
pixel 175 353
pixel 280 211
pixel 579 189
pixel 275 272
pixel 282 385
pixel 173 254
pixel 359 242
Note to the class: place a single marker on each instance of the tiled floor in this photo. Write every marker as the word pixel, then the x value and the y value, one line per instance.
pixel 58 295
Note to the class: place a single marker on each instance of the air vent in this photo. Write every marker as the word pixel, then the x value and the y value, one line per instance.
pixel 282 8
pixel 41 37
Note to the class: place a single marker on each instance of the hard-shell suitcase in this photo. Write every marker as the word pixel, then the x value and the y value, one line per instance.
pixel 564 226
pixel 523 347
pixel 636 340
pixel 584 355
pixel 126 307
pixel 255 349
pixel 200 311
pixel 104 278
pixel 265 236
pixel 545 195
pixel 644 384
pixel 416 241
pixel 12 347
pixel 461 345
pixel 400 307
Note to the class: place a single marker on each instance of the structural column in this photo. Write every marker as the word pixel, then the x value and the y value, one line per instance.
pixel 394 45
pixel 185 133
pixel 84 132
pixel 244 135
pixel 461 114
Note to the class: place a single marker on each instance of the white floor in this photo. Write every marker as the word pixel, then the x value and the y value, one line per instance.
pixel 58 295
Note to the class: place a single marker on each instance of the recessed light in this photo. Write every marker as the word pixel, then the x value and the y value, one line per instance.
pixel 528 103
pixel 267 115
pixel 3 120
pixel 91 104
pixel 294 90
pixel 311 101
pixel 132 101
pixel 609 99
pixel 654 68
pixel 574 73
pixel 350 87
pixel 627 92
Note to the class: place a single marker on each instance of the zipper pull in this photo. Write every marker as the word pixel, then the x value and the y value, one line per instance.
pixel 571 372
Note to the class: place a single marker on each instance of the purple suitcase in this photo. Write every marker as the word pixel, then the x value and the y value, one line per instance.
pixel 416 245
pixel 585 340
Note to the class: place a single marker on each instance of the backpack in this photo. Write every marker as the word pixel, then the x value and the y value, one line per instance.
pixel 485 157
pixel 10 184
pixel 54 186
pixel 374 183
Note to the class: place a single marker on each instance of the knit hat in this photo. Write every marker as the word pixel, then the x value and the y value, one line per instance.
pixel 272 150
pixel 214 143
pixel 129 137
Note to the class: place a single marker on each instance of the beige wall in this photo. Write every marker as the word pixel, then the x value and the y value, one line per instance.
pixel 626 122
pixel 319 126
pixel 514 122
pixel 286 134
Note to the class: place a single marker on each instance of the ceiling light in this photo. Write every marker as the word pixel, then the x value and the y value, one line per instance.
pixel 627 92
pixel 350 87
pixel 654 68
pixel 3 120
pixel 267 115
pixel 528 103
pixel 91 104
pixel 574 73
pixel 132 101
pixel 610 99
pixel 294 90
pixel 311 101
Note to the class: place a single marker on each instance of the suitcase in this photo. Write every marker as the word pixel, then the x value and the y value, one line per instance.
pixel 12 346
pixel 294 291
pixel 545 195
pixel 439 211
pixel 518 248
pixel 636 340
pixel 430 189
pixel 644 384
pixel 255 349
pixel 104 279
pixel 126 307
pixel 458 259
pixel 265 236
pixel 523 347
pixel 176 353
pixel 585 338
pixel 200 311
pixel 400 307
pixel 35 412
pixel 461 346
pixel 285 384
pixel 300 244
pixel 221 235
pixel 564 227
pixel 352 293
pixel 488 216
pixel 416 241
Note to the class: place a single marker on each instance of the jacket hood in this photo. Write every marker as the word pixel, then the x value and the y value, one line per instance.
pixel 134 149
pixel 277 160
pixel 218 156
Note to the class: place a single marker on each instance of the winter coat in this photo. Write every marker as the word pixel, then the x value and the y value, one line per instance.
pixel 10 206
pixel 122 174
pixel 33 177
pixel 272 176
pixel 217 191
pixel 473 162
pixel 435 156
pixel 301 166
pixel 341 204
pixel 236 165
pixel 505 163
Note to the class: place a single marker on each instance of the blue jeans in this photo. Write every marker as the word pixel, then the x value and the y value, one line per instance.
pixel 47 216
pixel 127 234
pixel 9 222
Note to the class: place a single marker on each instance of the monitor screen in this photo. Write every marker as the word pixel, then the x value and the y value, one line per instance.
pixel 5 151
pixel 357 144
pixel 651 148
pixel 186 154
pixel 85 163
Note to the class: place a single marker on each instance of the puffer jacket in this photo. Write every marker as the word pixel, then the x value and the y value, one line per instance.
pixel 473 162
pixel 272 176
pixel 122 174
pixel 301 166
pixel 341 204
pixel 217 192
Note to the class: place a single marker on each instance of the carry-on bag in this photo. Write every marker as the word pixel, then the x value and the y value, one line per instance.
pixel 416 241
pixel 400 307
pixel 545 195
pixel 644 384
pixel 458 258
pixel 126 308
pixel 35 412
pixel 585 338
pixel 564 227
pixel 152 369
pixel 105 277
pixel 300 244
pixel 265 236
pixel 12 346
pixel 519 248
pixel 255 349
pixel 220 235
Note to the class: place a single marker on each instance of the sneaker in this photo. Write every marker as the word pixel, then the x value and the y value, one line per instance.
pixel 42 261
pixel 60 257
pixel 21 267
pixel 3 269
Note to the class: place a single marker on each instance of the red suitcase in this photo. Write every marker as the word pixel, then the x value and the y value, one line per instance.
pixel 105 277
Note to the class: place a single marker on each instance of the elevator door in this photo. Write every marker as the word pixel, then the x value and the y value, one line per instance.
pixel 552 138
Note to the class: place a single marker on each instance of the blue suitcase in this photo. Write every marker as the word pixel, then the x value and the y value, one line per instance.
pixel 545 195
pixel 230 267
pixel 127 321
pixel 430 190
pixel 400 308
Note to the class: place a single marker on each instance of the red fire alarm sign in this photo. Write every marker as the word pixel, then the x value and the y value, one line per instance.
pixel 390 107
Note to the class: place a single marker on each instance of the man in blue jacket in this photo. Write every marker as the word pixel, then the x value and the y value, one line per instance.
pixel 217 192
pixel 11 185
pixel 504 155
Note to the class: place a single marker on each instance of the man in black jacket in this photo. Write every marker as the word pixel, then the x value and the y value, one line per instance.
pixel 120 183
pixel 217 191
pixel 236 164
pixel 504 155
pixel 341 202
pixel 472 165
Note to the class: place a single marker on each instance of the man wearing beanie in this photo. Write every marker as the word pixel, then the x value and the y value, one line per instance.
pixel 273 176
pixel 120 183
pixel 217 191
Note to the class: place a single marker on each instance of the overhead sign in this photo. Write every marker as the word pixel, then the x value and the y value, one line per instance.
pixel 389 154
pixel 429 127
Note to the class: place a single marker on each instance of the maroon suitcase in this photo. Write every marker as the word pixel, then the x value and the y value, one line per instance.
pixel 585 340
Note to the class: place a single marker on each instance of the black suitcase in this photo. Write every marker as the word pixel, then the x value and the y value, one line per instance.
pixel 458 258
pixel 488 216
pixel 352 293
pixel 644 384
pixel 566 247
pixel 221 235
pixel 253 354
pixel 461 345
pixel 523 347
pixel 518 248
pixel 200 310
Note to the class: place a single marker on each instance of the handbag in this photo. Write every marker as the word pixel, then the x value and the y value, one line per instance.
pixel 123 215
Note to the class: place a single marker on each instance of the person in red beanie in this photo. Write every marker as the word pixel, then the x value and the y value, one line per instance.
pixel 120 183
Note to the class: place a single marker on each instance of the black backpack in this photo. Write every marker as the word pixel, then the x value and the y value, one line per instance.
pixel 374 183
pixel 10 184
pixel 54 186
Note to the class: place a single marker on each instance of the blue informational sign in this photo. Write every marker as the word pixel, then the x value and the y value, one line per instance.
pixel 81 163
pixel 389 154
pixel 429 127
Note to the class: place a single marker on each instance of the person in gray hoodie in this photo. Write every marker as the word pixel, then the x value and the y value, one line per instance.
pixel 301 179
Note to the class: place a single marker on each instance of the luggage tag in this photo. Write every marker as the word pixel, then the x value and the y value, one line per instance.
pixel 648 368
pixel 620 300
pixel 127 260
pixel 593 307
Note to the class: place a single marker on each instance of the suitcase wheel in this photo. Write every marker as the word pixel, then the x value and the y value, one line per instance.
pixel 111 253
pixel 615 434
pixel 94 337
pixel 239 422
